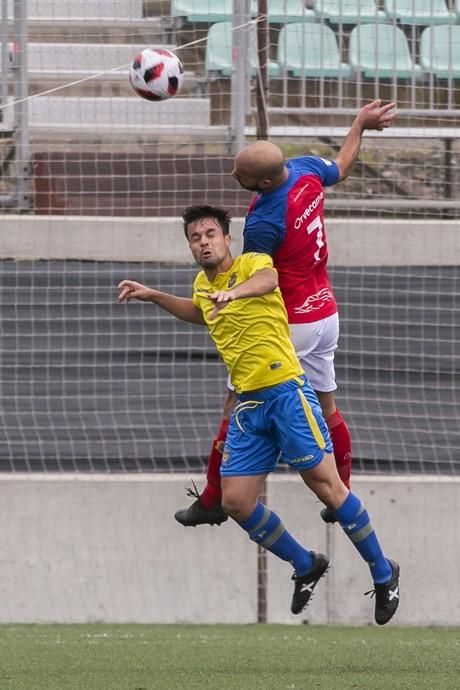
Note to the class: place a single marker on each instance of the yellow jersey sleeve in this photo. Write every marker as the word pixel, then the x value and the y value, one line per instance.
pixel 195 298
pixel 252 262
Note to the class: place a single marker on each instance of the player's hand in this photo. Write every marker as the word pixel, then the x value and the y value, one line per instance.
pixel 374 115
pixel 129 289
pixel 220 298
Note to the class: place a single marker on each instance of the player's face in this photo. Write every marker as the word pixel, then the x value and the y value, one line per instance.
pixel 210 247
pixel 246 181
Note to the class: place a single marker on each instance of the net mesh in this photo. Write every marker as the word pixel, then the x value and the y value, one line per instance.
pixel 91 385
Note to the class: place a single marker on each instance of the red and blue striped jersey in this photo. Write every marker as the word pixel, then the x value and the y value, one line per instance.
pixel 288 224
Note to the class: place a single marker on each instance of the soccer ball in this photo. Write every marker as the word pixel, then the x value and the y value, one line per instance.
pixel 156 74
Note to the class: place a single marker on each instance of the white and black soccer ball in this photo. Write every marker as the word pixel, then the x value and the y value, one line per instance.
pixel 156 74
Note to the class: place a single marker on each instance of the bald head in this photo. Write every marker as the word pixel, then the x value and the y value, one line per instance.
pixel 260 166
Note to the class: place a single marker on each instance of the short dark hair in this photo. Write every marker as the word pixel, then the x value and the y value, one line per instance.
pixel 194 213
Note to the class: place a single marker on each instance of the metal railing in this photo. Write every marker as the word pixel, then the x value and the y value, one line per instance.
pixel 14 128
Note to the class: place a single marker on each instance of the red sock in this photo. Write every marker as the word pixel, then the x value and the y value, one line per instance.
pixel 212 493
pixel 341 442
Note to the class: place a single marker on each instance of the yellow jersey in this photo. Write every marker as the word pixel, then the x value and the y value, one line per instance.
pixel 251 334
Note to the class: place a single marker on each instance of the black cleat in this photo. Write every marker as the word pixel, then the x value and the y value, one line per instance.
pixel 328 515
pixel 386 596
pixel 196 514
pixel 305 584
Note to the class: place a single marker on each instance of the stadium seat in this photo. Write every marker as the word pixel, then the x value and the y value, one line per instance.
pixel 288 11
pixel 348 11
pixel 202 11
pixel 440 51
pixel 218 60
pixel 210 12
pixel 419 12
pixel 381 50
pixel 310 50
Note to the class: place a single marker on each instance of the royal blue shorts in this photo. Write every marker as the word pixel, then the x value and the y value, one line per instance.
pixel 284 423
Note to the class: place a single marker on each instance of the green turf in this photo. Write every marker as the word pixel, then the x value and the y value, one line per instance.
pixel 270 657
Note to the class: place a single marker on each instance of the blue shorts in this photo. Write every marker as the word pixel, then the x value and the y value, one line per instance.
pixel 284 423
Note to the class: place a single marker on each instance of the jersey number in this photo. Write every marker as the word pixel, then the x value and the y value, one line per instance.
pixel 316 225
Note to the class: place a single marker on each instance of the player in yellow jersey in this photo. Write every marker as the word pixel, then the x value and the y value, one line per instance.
pixel 277 415
pixel 264 322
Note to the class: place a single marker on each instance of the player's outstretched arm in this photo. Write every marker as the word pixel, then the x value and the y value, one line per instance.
pixel 373 115
pixel 180 307
pixel 260 283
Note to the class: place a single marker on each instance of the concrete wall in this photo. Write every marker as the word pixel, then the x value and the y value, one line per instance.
pixel 106 548
pixel 352 242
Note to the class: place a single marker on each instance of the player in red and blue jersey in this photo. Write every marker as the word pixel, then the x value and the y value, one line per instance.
pixel 286 220
pixel 288 223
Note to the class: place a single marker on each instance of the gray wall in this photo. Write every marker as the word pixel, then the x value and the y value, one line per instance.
pixel 97 548
pixel 352 242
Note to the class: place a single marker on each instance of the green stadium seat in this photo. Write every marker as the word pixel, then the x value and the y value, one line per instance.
pixel 381 50
pixel 440 51
pixel 202 11
pixel 310 50
pixel 218 61
pixel 211 11
pixel 349 11
pixel 288 11
pixel 418 12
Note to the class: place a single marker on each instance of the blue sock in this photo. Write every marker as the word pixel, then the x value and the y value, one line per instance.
pixel 355 522
pixel 266 529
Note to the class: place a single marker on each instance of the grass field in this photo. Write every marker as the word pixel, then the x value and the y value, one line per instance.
pixel 265 657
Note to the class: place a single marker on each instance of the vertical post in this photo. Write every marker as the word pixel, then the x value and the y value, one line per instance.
pixel 241 29
pixel 5 57
pixel 262 580
pixel 448 168
pixel 262 133
pixel 263 58
pixel 21 110
pixel 447 173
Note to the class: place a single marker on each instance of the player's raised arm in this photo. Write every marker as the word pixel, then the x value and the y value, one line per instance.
pixel 260 283
pixel 180 307
pixel 373 115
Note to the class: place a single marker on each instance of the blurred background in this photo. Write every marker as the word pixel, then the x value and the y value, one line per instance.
pixel 91 385
pixel 93 180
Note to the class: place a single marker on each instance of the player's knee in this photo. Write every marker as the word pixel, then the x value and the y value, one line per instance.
pixel 231 504
pixel 331 492
pixel 330 495
pixel 327 402
pixel 325 482
pixel 235 506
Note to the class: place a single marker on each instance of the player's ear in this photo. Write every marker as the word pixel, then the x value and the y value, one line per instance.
pixel 265 183
pixel 228 240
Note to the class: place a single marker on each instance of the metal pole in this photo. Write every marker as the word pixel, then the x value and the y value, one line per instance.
pixel 5 59
pixel 240 71
pixel 263 58
pixel 447 174
pixel 21 110
pixel 262 133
